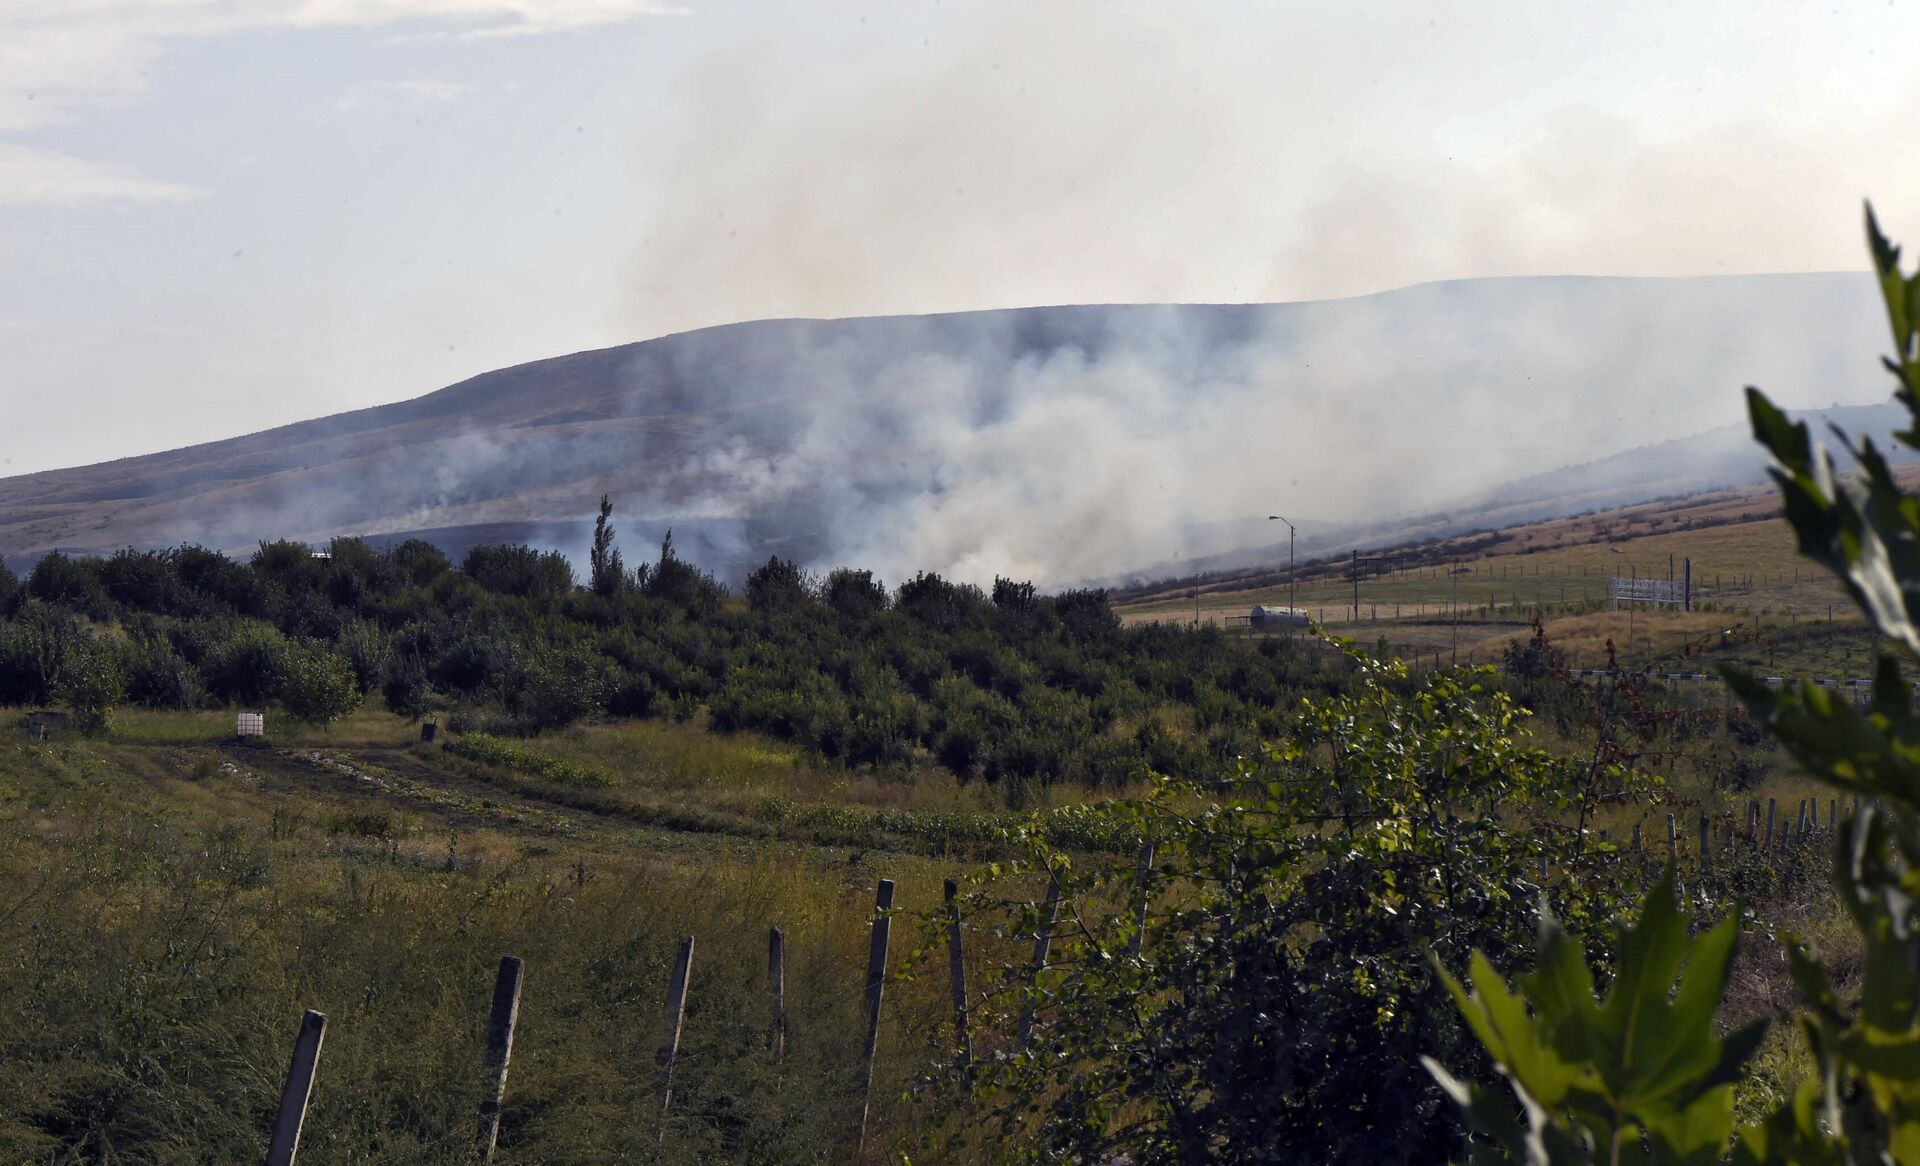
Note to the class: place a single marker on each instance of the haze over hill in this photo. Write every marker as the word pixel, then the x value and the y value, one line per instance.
pixel 1725 456
pixel 1053 443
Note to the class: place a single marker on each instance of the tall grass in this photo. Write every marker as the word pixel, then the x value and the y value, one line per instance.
pixel 160 935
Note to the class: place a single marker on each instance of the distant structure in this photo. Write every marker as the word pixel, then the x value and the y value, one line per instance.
pixel 1657 592
pixel 1264 616
pixel 251 725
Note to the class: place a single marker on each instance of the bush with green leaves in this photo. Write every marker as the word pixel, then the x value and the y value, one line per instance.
pixel 405 688
pixel 1019 689
pixel 316 685
pixel 1274 1004
pixel 1641 1075
pixel 553 688
pixel 159 677
pixel 90 679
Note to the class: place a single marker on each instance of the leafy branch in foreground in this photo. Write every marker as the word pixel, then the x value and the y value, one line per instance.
pixel 1273 1007
pixel 1643 1078
pixel 1642 1064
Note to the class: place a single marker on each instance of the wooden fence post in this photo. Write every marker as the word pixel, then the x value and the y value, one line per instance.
pixel 777 987
pixel 876 987
pixel 676 1014
pixel 1673 847
pixel 1042 940
pixel 1706 849
pixel 1141 871
pixel 500 1022
pixel 1636 839
pixel 1833 814
pixel 299 1087
pixel 957 974
pixel 1769 841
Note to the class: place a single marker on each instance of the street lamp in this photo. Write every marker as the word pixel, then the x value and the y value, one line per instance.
pixel 1293 586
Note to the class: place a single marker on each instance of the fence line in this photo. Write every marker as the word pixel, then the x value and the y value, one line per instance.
pixel 1769 844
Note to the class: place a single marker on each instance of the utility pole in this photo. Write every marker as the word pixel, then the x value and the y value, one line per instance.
pixel 1356 586
pixel 1293 585
pixel 1357 560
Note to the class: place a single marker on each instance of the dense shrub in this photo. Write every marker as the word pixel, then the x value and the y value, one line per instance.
pixel 405 688
pixel 90 680
pixel 552 689
pixel 680 583
pixel 418 562
pixel 246 668
pixel 1274 1006
pixel 854 594
pixel 69 583
pixel 316 685
pixel 159 677
pixel 519 570
pixel 1015 687
pixel 778 586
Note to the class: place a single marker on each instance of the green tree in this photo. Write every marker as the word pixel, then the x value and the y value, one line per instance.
pixel 1640 1075
pixel 316 685
pixel 679 582
pixel 405 689
pixel 780 585
pixel 1273 1006
pixel 419 561
pixel 519 570
pixel 71 583
pixel 90 681
pixel 552 689
pixel 607 573
pixel 854 594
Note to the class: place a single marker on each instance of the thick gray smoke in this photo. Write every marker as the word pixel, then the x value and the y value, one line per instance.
pixel 1057 444
pixel 1067 444
pixel 1082 148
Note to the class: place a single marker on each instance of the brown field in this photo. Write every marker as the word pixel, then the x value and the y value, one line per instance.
pixel 1757 601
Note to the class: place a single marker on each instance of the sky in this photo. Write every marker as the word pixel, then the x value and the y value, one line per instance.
pixel 221 215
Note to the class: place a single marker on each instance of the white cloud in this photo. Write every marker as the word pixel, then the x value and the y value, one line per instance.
pixel 31 176
pixel 414 91
pixel 60 59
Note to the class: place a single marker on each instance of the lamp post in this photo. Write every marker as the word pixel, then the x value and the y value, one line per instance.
pixel 1293 586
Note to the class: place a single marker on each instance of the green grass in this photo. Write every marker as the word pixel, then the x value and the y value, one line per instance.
pixel 763 793
pixel 491 750
pixel 173 902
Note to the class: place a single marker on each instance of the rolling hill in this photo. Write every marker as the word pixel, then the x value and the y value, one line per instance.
pixel 1055 443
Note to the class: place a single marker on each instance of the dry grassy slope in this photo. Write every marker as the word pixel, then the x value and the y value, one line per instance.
pixel 522 444
pixel 660 424
pixel 1749 581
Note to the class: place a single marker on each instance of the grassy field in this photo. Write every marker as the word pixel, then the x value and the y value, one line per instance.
pixel 1757 602
pixel 173 900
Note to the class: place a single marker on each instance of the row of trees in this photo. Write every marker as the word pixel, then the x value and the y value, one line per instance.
pixel 1006 685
